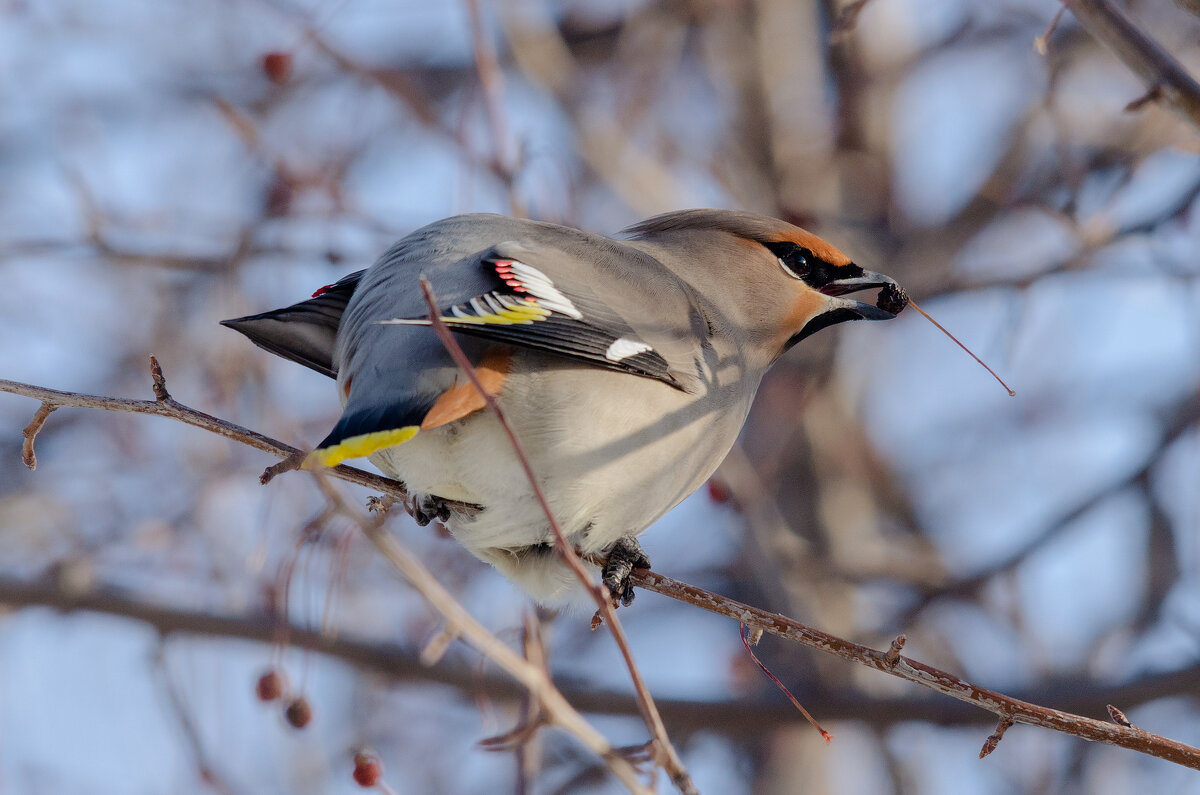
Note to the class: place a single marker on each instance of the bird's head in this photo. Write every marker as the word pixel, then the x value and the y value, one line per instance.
pixel 777 282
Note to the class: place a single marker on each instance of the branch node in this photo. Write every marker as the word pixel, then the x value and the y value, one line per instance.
pixel 31 431
pixel 1153 95
pixel 160 381
pixel 995 737
pixel 1118 717
pixel 292 461
pixel 518 736
pixel 435 649
pixel 1041 44
pixel 642 756
pixel 846 21
pixel 892 655
pixel 381 503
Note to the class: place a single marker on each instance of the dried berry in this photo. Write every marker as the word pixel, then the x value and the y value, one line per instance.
pixel 278 66
pixel 892 299
pixel 368 769
pixel 718 492
pixel 270 686
pixel 298 712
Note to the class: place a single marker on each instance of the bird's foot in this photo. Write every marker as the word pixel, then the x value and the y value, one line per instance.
pixel 623 557
pixel 427 507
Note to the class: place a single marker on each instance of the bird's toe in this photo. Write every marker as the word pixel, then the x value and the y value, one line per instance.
pixel 623 557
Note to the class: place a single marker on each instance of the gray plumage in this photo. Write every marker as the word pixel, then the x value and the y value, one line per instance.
pixel 626 396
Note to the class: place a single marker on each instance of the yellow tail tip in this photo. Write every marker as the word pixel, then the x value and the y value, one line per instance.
pixel 358 446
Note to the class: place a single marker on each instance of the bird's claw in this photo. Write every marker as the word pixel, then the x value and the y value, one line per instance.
pixel 428 507
pixel 623 557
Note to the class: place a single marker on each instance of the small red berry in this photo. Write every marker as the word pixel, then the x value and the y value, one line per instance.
pixel 298 712
pixel 270 686
pixel 367 769
pixel 718 492
pixel 278 66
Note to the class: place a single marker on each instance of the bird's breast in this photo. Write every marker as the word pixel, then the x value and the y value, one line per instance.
pixel 613 453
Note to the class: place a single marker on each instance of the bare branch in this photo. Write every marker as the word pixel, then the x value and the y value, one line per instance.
pixel 1161 73
pixel 740 719
pixel 1017 710
pixel 505 160
pixel 927 676
pixel 204 764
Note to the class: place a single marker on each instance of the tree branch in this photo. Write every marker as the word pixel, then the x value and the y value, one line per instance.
pixel 166 406
pixel 538 683
pixel 742 719
pixel 1164 77
pixel 1006 707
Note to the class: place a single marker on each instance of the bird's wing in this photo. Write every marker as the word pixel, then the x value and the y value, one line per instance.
pixel 587 298
pixel 615 310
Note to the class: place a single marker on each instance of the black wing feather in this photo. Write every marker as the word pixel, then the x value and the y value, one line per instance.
pixel 305 332
pixel 577 339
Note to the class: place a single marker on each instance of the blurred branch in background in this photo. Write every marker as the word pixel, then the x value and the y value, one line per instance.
pixel 1164 77
pixel 166 166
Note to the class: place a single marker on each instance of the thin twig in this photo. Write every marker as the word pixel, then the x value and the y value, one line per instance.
pixel 208 773
pixel 993 740
pixel 604 605
pixel 749 643
pixel 487 66
pixel 28 455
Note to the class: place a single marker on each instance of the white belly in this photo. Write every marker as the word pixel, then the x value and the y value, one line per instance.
pixel 613 453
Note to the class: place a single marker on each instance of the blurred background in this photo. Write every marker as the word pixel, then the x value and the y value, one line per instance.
pixel 167 165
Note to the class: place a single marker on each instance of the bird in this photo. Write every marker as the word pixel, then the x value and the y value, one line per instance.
pixel 626 366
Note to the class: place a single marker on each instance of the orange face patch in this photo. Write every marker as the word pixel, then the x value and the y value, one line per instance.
pixel 816 245
pixel 464 399
pixel 804 307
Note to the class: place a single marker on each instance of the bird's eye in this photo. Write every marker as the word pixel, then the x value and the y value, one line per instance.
pixel 797 262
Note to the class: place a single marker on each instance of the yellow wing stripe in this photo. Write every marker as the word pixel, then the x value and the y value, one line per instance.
pixel 359 446
pixel 509 316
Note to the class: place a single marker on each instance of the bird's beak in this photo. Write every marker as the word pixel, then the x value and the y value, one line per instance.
pixel 859 280
pixel 839 309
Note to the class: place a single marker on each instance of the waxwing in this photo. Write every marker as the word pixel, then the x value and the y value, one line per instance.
pixel 626 368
